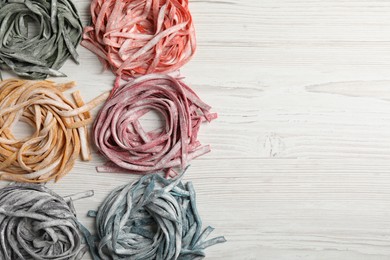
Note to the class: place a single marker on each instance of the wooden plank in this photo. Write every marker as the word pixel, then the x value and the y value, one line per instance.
pixel 300 162
pixel 284 208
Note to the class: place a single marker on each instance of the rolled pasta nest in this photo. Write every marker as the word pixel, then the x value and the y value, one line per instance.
pixel 138 37
pixel 119 135
pixel 37 36
pixel 153 218
pixel 60 132
pixel 36 223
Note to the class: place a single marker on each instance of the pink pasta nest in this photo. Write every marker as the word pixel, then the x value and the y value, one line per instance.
pixel 138 37
pixel 119 135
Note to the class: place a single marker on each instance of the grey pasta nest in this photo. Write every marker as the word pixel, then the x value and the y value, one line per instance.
pixel 153 218
pixel 36 223
pixel 38 53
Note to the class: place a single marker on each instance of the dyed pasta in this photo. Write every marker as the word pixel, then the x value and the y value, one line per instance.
pixel 36 223
pixel 119 136
pixel 153 218
pixel 41 52
pixel 139 37
pixel 60 130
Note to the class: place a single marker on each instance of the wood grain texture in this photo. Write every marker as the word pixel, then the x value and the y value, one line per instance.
pixel 300 163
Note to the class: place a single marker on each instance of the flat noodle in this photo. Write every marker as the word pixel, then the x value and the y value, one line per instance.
pixel 119 136
pixel 60 130
pixel 36 223
pixel 153 218
pixel 138 37
pixel 43 51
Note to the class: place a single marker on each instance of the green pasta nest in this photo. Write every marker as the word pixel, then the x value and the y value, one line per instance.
pixel 37 36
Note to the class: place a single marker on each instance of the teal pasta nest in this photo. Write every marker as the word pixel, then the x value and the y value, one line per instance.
pixel 153 218
pixel 37 36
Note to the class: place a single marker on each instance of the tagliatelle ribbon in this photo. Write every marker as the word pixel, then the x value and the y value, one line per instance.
pixel 119 135
pixel 60 130
pixel 36 223
pixel 41 52
pixel 153 218
pixel 138 37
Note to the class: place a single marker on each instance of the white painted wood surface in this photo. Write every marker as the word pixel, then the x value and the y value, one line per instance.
pixel 300 166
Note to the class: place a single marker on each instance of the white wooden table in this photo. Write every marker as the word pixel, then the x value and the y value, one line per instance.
pixel 300 161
